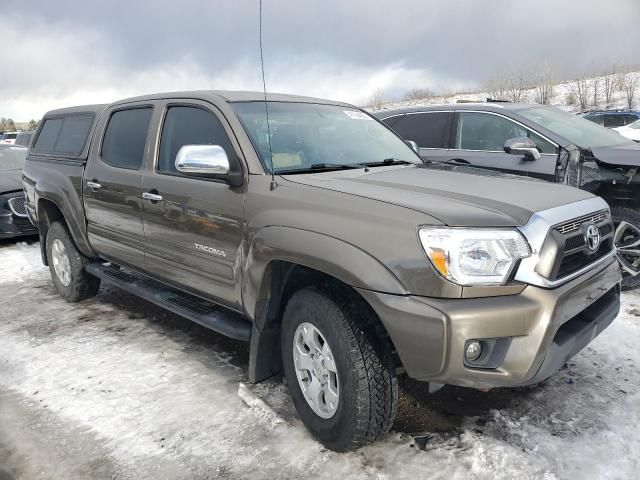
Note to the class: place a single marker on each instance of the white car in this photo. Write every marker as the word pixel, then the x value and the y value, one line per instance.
pixel 9 138
pixel 631 131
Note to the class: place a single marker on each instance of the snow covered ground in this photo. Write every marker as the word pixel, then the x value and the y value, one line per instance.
pixel 117 388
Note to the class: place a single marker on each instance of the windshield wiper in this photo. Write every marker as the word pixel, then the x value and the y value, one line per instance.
pixel 386 161
pixel 320 167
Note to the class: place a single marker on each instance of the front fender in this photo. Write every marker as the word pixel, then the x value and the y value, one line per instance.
pixel 324 253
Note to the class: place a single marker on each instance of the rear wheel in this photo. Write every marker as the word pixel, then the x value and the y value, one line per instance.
pixel 339 370
pixel 627 240
pixel 66 265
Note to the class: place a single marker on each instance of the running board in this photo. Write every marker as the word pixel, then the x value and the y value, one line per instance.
pixel 200 311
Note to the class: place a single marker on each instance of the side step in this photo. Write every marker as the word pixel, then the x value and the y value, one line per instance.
pixel 205 313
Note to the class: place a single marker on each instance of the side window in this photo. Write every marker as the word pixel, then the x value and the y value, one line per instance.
pixel 486 132
pixel 594 118
pixel 125 137
pixel 73 134
pixel 483 131
pixel 426 129
pixel 614 120
pixel 543 145
pixel 630 118
pixel 191 126
pixel 64 135
pixel 48 135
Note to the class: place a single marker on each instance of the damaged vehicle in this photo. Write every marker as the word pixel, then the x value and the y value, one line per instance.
pixel 536 141
pixel 318 236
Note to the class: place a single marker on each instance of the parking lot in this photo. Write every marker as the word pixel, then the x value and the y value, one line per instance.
pixel 116 388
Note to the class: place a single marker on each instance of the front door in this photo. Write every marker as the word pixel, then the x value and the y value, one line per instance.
pixel 193 226
pixel 113 185
pixel 479 139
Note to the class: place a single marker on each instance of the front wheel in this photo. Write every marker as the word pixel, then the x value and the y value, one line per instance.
pixel 627 240
pixel 339 370
pixel 67 264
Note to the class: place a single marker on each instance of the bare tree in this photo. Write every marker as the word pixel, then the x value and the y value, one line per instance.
pixel 376 99
pixel 417 94
pixel 543 90
pixel 33 124
pixel 516 87
pixel 608 83
pixel 498 87
pixel 595 89
pixel 629 87
pixel 580 87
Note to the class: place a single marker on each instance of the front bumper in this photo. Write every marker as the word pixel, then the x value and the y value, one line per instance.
pixel 545 328
pixel 13 226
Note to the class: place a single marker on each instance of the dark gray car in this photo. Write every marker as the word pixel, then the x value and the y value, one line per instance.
pixel 540 142
pixel 13 212
pixel 324 241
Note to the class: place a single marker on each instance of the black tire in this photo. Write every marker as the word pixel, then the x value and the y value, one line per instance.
pixel 366 373
pixel 631 216
pixel 82 284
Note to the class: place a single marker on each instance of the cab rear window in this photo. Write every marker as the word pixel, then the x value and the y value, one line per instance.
pixel 66 135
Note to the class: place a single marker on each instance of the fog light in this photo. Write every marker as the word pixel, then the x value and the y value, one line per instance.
pixel 473 350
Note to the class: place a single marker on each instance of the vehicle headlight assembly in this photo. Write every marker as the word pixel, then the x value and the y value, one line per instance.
pixel 474 256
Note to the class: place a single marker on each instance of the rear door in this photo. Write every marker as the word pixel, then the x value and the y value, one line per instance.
pixel 194 228
pixel 478 140
pixel 430 130
pixel 113 185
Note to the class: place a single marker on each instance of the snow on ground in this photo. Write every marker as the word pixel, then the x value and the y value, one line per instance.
pixel 117 388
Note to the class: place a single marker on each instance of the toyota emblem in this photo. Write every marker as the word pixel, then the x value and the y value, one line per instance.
pixel 593 237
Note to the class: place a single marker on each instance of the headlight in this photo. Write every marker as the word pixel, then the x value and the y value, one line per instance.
pixel 474 256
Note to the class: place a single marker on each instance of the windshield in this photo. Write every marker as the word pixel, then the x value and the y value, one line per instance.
pixel 306 134
pixel 635 125
pixel 577 130
pixel 12 158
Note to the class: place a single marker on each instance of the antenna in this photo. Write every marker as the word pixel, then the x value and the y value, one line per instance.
pixel 266 108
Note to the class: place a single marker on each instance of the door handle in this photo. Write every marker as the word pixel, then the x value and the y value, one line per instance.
pixel 94 185
pixel 153 197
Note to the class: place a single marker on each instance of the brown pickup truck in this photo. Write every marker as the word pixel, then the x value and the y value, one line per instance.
pixel 320 237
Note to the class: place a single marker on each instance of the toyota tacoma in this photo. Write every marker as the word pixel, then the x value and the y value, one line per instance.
pixel 312 231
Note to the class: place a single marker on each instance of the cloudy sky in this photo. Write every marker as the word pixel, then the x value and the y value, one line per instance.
pixel 63 52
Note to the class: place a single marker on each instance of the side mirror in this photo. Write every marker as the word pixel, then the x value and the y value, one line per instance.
pixel 522 146
pixel 208 161
pixel 413 145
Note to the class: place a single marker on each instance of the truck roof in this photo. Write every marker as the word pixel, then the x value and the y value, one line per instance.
pixel 77 109
pixel 224 95
pixel 232 96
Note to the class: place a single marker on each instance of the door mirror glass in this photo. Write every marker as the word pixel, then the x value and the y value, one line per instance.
pixel 413 145
pixel 522 146
pixel 202 161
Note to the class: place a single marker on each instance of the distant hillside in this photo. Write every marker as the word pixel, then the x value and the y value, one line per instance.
pixel 613 91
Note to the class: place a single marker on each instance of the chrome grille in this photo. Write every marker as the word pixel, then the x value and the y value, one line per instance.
pixel 18 206
pixel 575 255
pixel 574 224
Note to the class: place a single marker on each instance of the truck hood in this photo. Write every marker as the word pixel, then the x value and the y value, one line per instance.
pixel 627 155
pixel 456 196
pixel 10 180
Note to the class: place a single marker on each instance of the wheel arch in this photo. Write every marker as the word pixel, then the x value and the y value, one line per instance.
pixel 274 274
pixel 52 205
pixel 48 211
